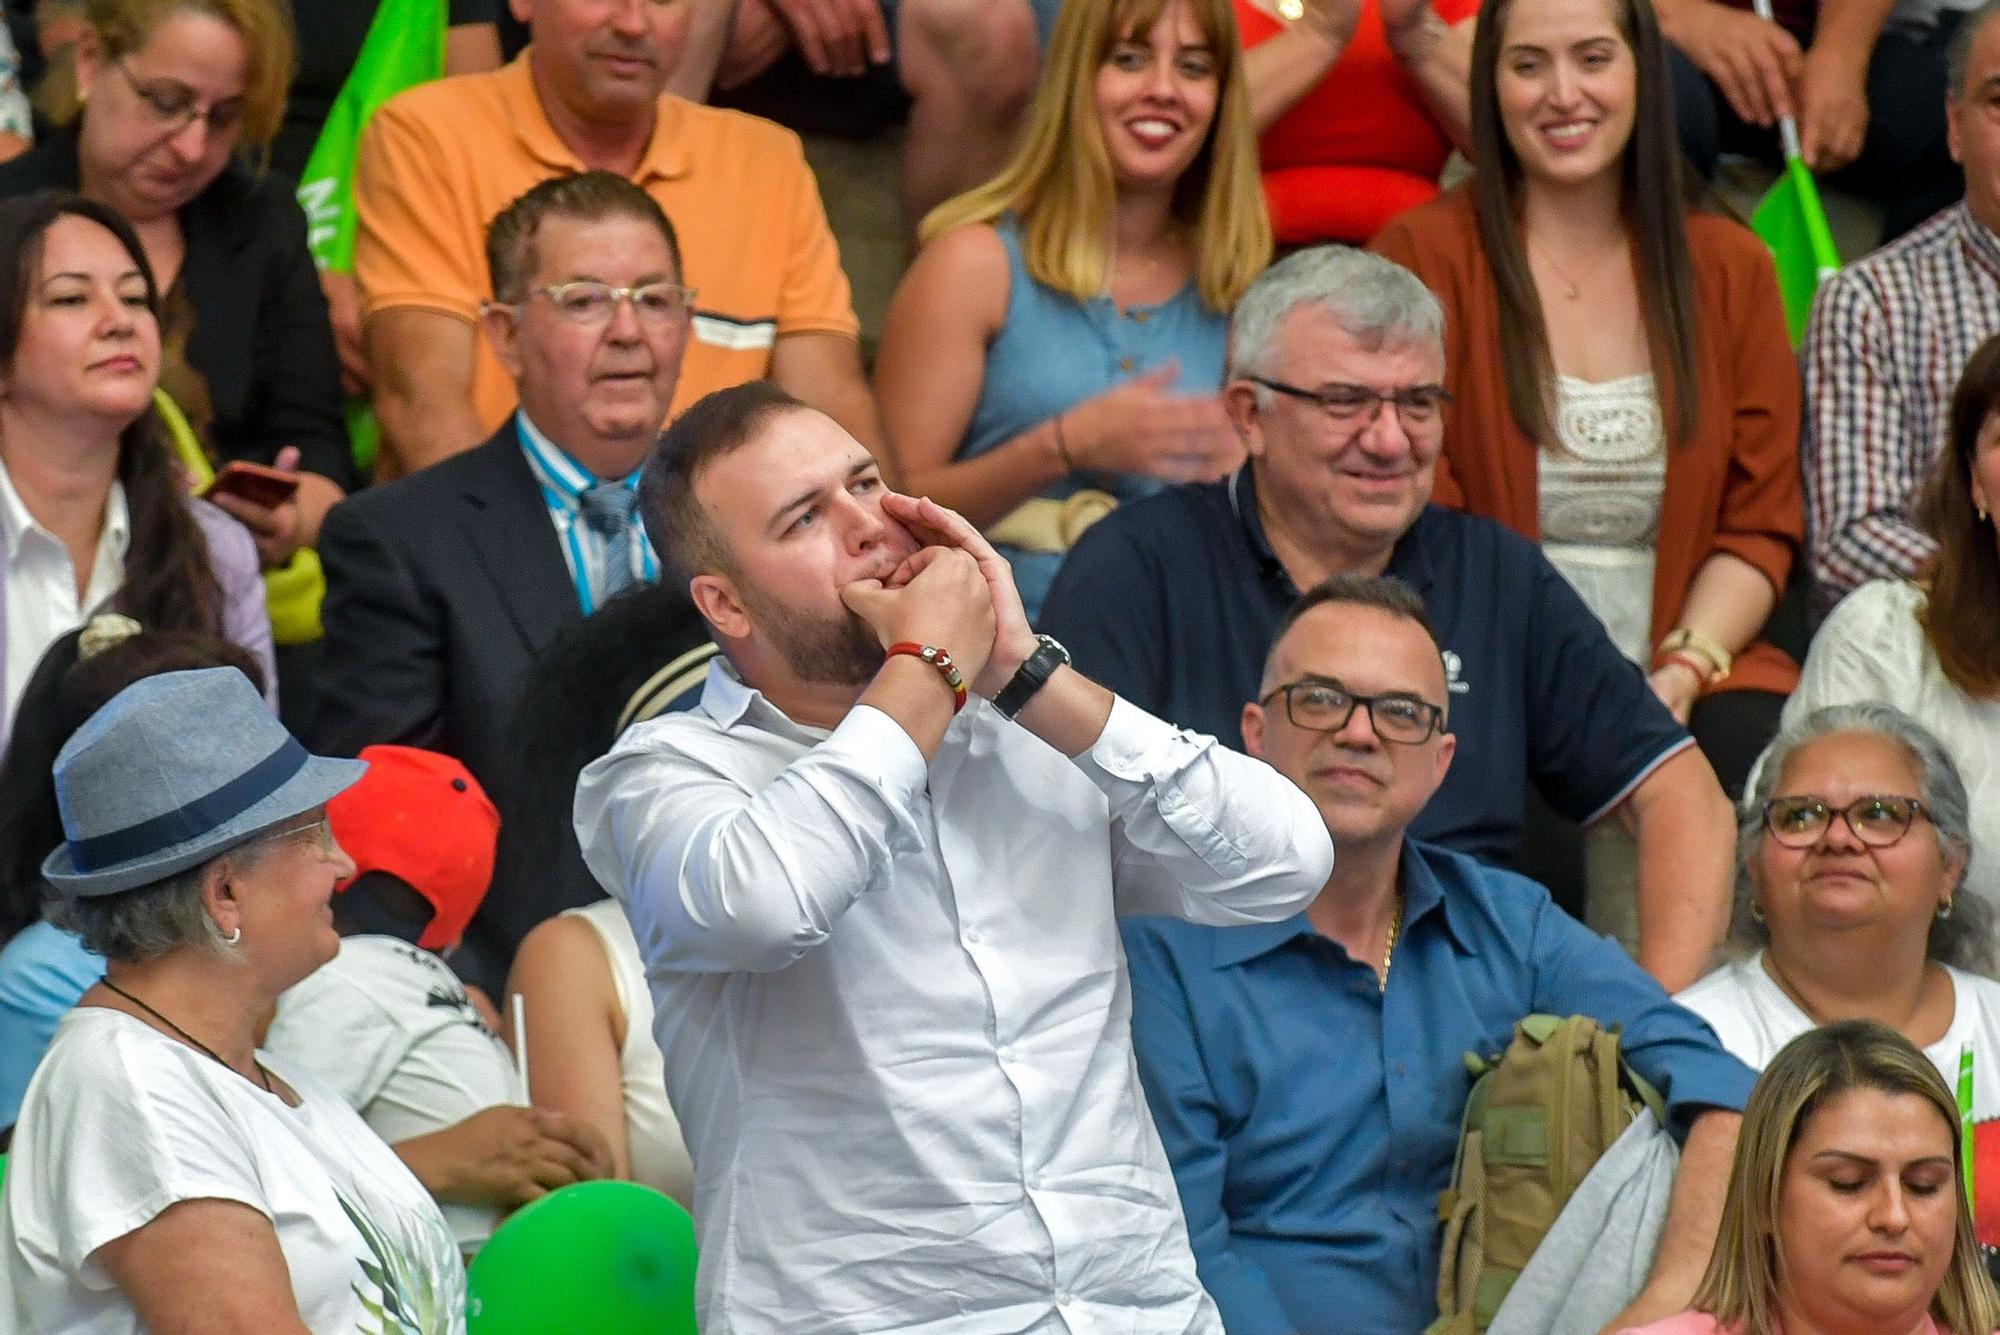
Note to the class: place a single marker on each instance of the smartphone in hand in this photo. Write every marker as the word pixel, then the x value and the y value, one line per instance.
pixel 258 484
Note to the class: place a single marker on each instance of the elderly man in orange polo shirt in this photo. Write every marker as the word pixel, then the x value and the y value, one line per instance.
pixel 439 161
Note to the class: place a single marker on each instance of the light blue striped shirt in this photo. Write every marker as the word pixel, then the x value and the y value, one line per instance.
pixel 588 554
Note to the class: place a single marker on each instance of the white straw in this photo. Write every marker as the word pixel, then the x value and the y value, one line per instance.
pixel 521 1049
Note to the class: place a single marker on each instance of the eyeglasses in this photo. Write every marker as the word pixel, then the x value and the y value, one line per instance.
pixel 591 304
pixel 1419 408
pixel 1325 706
pixel 1878 819
pixel 320 831
pixel 173 107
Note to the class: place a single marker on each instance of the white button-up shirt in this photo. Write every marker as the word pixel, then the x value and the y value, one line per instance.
pixel 42 602
pixel 894 1008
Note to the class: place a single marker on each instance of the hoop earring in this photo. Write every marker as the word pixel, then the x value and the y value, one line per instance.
pixel 1944 910
pixel 235 935
pixel 1756 911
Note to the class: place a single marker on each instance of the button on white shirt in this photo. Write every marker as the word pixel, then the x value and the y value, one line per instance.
pixel 891 1131
pixel 42 603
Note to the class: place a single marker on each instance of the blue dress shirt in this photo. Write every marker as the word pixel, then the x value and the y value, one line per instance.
pixel 1312 1118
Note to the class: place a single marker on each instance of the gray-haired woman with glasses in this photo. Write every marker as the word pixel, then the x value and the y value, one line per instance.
pixel 167 1173
pixel 1851 855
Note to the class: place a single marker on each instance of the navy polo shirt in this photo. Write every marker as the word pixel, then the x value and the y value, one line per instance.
pixel 1311 1117
pixel 1172 601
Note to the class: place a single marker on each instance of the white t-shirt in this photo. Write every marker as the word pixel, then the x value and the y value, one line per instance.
pixel 390 1028
pixel 1753 1017
pixel 121 1122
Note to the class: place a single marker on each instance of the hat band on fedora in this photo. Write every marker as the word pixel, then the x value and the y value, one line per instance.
pixel 194 819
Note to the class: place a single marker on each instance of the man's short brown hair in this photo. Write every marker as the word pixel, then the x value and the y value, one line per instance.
pixel 718 424
pixel 586 196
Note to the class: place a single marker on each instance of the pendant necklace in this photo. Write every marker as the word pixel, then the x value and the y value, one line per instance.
pixel 200 1046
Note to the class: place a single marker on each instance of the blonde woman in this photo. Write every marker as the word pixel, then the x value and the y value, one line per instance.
pixel 1845 1209
pixel 1058 344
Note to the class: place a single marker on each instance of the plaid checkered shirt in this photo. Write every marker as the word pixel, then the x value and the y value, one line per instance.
pixel 1888 338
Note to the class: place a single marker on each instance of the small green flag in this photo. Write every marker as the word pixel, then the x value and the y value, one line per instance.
pixel 1965 1116
pixel 404 47
pixel 1793 224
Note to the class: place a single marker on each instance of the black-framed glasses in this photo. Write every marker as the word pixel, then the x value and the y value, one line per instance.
pixel 173 106
pixel 1418 407
pixel 590 303
pixel 1877 819
pixel 1325 706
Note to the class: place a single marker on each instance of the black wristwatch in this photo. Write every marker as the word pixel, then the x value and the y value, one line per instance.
pixel 1032 676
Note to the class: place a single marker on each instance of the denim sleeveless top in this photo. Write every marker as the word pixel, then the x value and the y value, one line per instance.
pixel 1053 352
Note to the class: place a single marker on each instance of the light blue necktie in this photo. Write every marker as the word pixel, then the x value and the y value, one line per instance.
pixel 607 512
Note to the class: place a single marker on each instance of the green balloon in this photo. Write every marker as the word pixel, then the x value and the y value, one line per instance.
pixel 595 1258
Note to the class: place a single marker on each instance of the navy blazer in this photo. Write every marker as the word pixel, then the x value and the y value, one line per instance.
pixel 441 588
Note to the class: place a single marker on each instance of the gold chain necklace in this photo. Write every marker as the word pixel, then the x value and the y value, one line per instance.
pixel 1395 931
pixel 1574 289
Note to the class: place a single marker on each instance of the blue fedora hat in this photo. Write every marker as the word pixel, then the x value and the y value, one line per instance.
pixel 173 770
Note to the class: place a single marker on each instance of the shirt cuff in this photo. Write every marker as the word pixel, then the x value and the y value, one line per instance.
pixel 1704 1081
pixel 874 742
pixel 1135 746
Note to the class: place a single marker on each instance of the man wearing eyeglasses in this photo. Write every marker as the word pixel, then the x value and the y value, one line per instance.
pixel 440 159
pixel 1337 365
pixel 1307 1076
pixel 442 587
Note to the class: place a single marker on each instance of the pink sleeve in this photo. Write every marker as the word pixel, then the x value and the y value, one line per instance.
pixel 1683 1323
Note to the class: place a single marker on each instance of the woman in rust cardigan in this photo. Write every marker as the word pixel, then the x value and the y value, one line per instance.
pixel 1625 389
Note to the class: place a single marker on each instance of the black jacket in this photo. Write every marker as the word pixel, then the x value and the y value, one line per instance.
pixel 441 588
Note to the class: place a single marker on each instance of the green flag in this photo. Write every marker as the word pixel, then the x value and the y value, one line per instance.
pixel 1793 224
pixel 404 47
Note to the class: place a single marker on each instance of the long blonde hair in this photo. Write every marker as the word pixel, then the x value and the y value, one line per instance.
pixel 1742 1280
pixel 1059 182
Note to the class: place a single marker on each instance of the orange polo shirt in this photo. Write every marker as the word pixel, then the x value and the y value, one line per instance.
pixel 440 160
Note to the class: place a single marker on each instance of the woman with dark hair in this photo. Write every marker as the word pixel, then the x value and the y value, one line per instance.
pixel 591 1052
pixel 43 969
pixel 161 106
pixel 1933 645
pixel 1844 1211
pixel 92 515
pixel 1624 387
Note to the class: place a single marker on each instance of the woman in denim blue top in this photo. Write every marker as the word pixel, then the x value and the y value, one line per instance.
pixel 1058 344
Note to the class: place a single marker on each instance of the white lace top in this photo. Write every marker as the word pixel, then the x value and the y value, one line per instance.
pixel 1600 501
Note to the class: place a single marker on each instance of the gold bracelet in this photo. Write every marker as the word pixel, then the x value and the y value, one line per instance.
pixel 1694 641
pixel 1062 446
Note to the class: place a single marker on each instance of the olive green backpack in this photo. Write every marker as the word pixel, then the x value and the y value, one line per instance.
pixel 1538 1118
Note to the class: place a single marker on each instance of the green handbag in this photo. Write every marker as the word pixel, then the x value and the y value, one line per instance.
pixel 292 591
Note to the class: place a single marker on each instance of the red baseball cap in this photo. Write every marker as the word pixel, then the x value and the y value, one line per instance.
pixel 421 817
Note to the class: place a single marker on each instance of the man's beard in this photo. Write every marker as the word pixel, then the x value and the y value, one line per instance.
pixel 838 650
